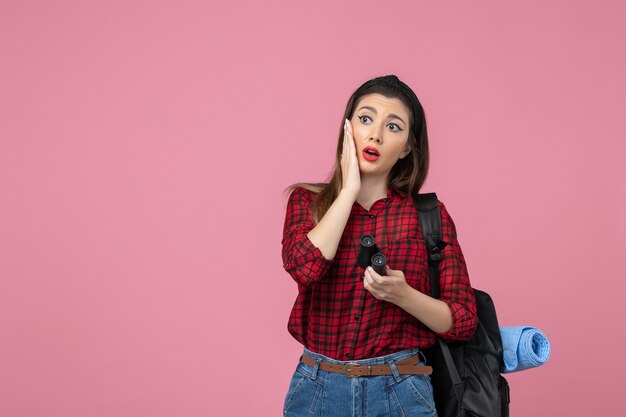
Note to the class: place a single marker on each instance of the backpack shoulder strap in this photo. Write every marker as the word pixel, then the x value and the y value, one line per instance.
pixel 429 214
pixel 427 206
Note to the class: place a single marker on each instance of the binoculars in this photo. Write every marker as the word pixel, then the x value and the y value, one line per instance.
pixel 369 255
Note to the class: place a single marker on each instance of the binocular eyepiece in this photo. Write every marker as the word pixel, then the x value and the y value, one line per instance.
pixel 369 255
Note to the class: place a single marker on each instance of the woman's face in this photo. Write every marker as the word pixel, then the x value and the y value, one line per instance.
pixel 383 124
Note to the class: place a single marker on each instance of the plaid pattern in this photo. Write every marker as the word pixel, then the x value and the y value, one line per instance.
pixel 334 315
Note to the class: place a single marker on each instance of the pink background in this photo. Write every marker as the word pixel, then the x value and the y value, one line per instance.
pixel 143 150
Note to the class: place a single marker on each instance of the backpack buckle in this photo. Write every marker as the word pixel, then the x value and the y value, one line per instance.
pixel 435 246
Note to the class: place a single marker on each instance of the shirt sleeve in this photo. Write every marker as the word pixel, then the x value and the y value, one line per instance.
pixel 301 258
pixel 454 285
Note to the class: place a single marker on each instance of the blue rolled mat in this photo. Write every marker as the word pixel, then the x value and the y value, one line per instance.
pixel 523 347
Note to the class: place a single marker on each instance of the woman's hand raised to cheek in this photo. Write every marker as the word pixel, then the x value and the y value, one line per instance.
pixel 350 172
pixel 391 287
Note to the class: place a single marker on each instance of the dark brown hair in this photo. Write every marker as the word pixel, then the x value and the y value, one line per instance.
pixel 408 174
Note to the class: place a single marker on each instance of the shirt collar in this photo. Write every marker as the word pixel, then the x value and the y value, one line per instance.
pixel 393 191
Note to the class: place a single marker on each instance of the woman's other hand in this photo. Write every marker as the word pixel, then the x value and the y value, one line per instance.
pixel 391 287
pixel 350 173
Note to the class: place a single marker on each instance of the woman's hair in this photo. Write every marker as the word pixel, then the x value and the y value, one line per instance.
pixel 408 174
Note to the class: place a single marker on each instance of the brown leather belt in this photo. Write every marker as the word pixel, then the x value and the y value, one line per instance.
pixel 352 370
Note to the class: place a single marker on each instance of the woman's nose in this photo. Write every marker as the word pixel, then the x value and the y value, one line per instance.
pixel 376 133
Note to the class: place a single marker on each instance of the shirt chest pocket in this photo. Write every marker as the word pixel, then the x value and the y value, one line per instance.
pixel 409 256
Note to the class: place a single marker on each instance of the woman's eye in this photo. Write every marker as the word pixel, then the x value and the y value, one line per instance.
pixel 390 124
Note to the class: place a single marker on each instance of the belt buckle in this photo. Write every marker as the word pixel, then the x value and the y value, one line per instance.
pixel 348 368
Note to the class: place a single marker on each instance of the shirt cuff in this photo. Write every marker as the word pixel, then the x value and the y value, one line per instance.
pixel 308 259
pixel 463 323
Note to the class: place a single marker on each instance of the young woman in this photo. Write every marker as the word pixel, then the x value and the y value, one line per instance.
pixel 363 332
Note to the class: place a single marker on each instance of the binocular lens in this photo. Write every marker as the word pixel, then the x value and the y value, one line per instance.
pixel 367 241
pixel 378 260
pixel 378 263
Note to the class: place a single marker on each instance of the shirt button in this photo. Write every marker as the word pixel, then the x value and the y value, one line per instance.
pixel 357 318
pixel 349 355
pixel 287 265
pixel 372 216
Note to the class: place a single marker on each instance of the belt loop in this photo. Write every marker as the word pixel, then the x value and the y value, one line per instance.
pixel 316 366
pixel 394 370
pixel 423 356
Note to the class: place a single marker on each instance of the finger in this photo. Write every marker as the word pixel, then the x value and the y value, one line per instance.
pixel 370 282
pixel 345 139
pixel 374 276
pixel 351 143
pixel 349 151
pixel 373 272
pixel 345 158
pixel 349 124
pixel 350 131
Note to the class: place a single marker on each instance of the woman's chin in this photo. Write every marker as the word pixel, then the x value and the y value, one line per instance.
pixel 371 171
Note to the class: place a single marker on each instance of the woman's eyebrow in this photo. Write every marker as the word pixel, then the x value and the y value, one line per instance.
pixel 391 115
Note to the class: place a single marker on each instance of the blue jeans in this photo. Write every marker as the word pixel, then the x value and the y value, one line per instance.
pixel 314 392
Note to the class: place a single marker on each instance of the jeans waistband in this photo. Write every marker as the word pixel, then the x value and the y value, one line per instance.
pixel 378 360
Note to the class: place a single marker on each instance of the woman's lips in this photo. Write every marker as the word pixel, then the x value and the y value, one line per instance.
pixel 370 157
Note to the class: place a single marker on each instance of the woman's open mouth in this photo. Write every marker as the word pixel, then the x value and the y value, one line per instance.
pixel 370 153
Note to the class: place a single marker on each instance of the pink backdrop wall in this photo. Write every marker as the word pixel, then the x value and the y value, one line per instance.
pixel 143 150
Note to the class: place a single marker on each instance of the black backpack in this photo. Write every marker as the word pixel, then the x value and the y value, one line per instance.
pixel 466 375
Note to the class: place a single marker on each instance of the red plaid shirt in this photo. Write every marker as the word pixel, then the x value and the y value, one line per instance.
pixel 335 315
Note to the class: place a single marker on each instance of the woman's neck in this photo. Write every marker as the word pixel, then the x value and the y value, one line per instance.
pixel 372 190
